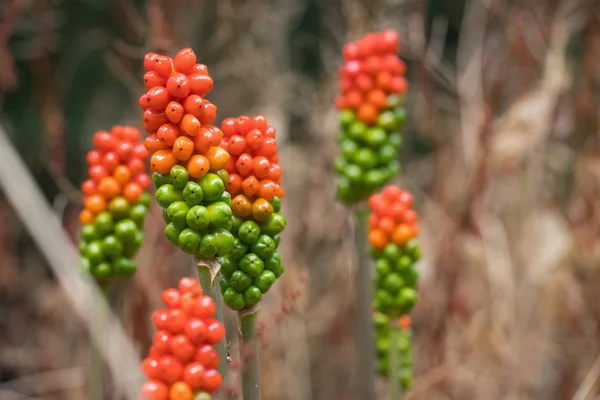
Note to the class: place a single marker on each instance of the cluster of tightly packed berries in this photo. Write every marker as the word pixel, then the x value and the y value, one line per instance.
pixel 383 325
pixel 188 158
pixel 395 250
pixel 253 265
pixel 182 361
pixel 116 203
pixel 372 85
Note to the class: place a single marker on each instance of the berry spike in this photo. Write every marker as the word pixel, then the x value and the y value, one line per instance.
pixel 182 361
pixel 116 201
pixel 392 237
pixel 370 101
pixel 253 265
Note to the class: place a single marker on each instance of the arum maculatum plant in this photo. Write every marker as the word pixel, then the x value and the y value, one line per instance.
pixel 115 205
pixel 371 115
pixel 253 265
pixel 392 238
pixel 182 361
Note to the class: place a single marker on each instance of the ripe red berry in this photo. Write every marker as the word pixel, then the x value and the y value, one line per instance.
pixel 149 61
pixel 163 66
pixel 204 307
pixel 160 319
pixel 94 157
pixel 192 104
pixel 104 141
pixel 229 127
pixel 171 298
pixel 150 368
pixel 209 113
pixel 260 167
pixel 259 122
pixel 199 69
pixel 207 356
pixel 154 390
pixel 89 187
pixel 97 172
pixel 196 330
pixel 189 285
pixel 174 112
pixel 193 375
pixel 171 369
pixel 178 85
pixel 212 380
pixel 184 60
pixel 176 320
pixel 152 79
pixel 200 84
pixel 158 97
pixel 215 332
pixel 182 348
pixel 236 145
pixel 160 342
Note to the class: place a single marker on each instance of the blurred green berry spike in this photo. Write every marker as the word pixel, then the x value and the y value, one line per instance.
pixel 365 367
pixel 394 367
pixel 247 326
pixel 208 271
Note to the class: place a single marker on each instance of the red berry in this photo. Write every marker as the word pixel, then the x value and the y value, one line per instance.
pixel 215 332
pixel 193 104
pixel 260 167
pixel 167 134
pixel 193 375
pixel 154 120
pixel 406 199
pixel 160 342
pixel 244 165
pixel 259 122
pixel 270 132
pixel 236 145
pixel 176 320
pixel 212 380
pixel 178 85
pixel 188 302
pixel 171 369
pixel 171 298
pixel 97 172
pixel 196 330
pixel 243 125
pixel 152 79
pixel 229 127
pixel 209 113
pixel 104 141
pixel 160 319
pixel 139 151
pixel 350 51
pixel 163 66
pixel 199 69
pixel 125 150
pixel 150 368
pixel 136 166
pixel 110 161
pixel 189 285
pixel 154 390
pixel 94 157
pixel 389 41
pixel 207 356
pixel 174 112
pixel 158 97
pixel 184 60
pixel 149 61
pixel 143 180
pixel 89 187
pixel 200 84
pixel 182 348
pixel 204 307
pixel 143 101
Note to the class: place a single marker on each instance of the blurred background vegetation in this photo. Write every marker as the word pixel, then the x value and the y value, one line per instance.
pixel 501 152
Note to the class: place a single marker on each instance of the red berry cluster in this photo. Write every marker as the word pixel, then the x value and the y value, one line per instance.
pixel 182 361
pixel 371 72
pixel 178 117
pixel 393 220
pixel 116 168
pixel 254 172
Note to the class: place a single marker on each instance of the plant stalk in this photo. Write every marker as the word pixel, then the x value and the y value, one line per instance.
pixel 208 271
pixel 96 361
pixel 394 363
pixel 364 376
pixel 247 324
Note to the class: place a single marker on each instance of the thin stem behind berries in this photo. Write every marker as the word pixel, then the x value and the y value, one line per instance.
pixel 394 363
pixel 207 271
pixel 96 361
pixel 247 325
pixel 365 366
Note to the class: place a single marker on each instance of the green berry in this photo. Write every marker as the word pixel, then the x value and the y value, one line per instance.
pixel 265 280
pixel 357 130
pixel 228 265
pixel 225 241
pixel 145 199
pixel 274 264
pixel 125 230
pixel 239 249
pixel 348 149
pixel 198 218
pixel 376 137
pixel 249 232
pixel 220 215
pixel 239 280
pixel 264 247
pixel 94 252
pixel 102 271
pixel 192 194
pixel 226 198
pixel 393 282
pixel 382 267
pixel 236 222
pixel 223 284
pixel 251 264
pixel 224 175
pixel 104 223
pixel 179 176
pixel 252 295
pixel 167 194
pixel 160 180
pixel 85 264
pixel 392 252
pixel 178 211
pixel 172 232
pixel 233 299
pixel 88 233
pixel 124 268
pixel 212 187
pixel 346 117
pixel 354 173
pixel 138 214
pixel 386 154
pixel 365 158
pixel 189 241
pixel 208 246
pixel 112 247
pixel 119 207
pixel 274 225
pixel 276 203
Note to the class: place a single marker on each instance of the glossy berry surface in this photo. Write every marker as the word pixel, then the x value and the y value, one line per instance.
pixel 115 203
pixel 182 361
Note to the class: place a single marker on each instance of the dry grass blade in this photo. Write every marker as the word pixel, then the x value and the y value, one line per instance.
pixel 45 228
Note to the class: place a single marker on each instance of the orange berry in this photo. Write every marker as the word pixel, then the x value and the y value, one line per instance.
pixel 200 84
pixel 184 60
pixel 86 217
pixel 367 113
pixel 174 112
pixel 250 186
pixel 132 191
pixel 217 134
pixel 180 391
pixel 244 164
pixel 162 161
pixel 154 119
pixel 404 322
pixel 217 156
pixel 383 80
pixel 279 192
pixel 354 99
pixel 260 167
pixel 266 189
pixel 109 187
pixel 178 86
pixel 189 125
pixel 167 134
pixel 153 144
pixel 402 234
pixel 377 97
pixel 199 69
pixel 152 79
pixel 198 166
pixel 193 105
pixel 241 206
pixel 183 148
pixel 95 203
pixel 364 82
pixel 398 85
pixel 209 113
pixel 203 140
pixel 378 239
pixel 261 210
pixel 122 174
pixel 387 225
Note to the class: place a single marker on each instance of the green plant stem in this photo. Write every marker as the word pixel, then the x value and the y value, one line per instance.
pixel 394 363
pixel 365 350
pixel 247 323
pixel 208 271
pixel 96 363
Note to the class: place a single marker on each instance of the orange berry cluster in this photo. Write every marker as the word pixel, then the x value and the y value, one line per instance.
pixel 371 72
pixel 116 202
pixel 177 116
pixel 254 172
pixel 182 362
pixel 392 219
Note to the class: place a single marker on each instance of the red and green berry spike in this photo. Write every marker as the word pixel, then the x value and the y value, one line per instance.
pixel 370 102
pixel 392 237
pixel 116 202
pixel 253 265
pixel 187 158
pixel 182 361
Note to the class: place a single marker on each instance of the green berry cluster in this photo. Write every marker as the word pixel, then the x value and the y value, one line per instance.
pixel 108 244
pixel 197 211
pixel 367 158
pixel 251 268
pixel 395 278
pixel 383 332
